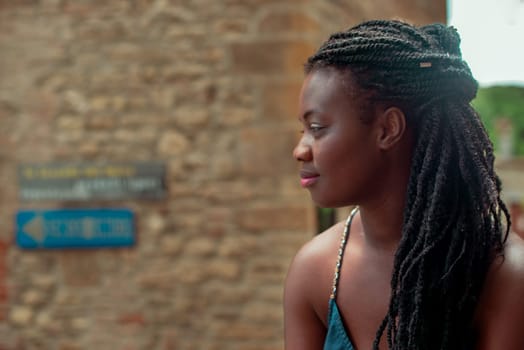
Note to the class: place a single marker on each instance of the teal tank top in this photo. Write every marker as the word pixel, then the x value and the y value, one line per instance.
pixel 337 337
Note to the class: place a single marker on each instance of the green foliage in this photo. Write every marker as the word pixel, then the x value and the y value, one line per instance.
pixel 495 103
pixel 325 218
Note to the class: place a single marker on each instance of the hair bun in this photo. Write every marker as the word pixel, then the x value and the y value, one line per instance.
pixel 447 38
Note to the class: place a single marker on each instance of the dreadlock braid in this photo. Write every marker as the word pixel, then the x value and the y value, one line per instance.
pixel 455 222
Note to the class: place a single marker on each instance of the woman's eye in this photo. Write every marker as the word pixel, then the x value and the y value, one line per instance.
pixel 315 127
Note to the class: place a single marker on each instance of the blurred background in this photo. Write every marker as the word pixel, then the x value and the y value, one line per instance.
pixel 495 56
pixel 149 199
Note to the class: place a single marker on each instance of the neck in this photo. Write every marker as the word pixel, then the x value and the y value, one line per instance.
pixel 383 214
pixel 382 224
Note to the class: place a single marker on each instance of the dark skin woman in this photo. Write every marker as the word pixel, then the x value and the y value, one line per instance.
pixel 426 260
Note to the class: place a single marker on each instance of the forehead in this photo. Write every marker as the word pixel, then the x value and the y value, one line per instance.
pixel 327 86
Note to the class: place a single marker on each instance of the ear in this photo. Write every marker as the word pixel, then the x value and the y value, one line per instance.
pixel 391 127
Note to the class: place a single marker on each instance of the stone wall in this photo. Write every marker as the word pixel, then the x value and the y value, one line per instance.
pixel 207 87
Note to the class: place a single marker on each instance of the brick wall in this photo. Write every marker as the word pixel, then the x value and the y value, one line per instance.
pixel 210 89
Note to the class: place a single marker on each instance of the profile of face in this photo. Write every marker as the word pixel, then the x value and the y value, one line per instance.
pixel 339 153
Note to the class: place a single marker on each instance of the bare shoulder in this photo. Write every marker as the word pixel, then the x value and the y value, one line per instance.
pixel 502 303
pixel 320 246
pixel 307 290
pixel 509 270
pixel 311 271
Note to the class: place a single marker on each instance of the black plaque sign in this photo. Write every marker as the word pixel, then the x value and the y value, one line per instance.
pixel 89 181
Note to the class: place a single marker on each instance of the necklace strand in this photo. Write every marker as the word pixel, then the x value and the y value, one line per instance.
pixel 341 248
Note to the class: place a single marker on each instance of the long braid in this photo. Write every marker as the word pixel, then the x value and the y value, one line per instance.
pixel 455 222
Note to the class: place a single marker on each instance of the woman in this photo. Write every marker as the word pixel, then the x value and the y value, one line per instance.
pixel 425 261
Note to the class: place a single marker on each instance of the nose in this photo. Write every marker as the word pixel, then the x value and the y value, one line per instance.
pixel 302 151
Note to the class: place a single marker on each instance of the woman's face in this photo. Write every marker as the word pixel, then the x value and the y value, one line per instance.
pixel 339 153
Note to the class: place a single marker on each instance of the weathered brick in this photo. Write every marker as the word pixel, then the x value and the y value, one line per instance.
pixel 200 247
pixel 155 281
pixel 218 221
pixel 236 92
pixel 268 272
pixel 249 345
pixel 231 27
pixel 211 89
pixel 4 246
pixel 190 272
pixel 228 192
pixel 231 117
pixel 224 269
pixel 101 122
pixel 270 57
pixel 264 312
pixel 223 167
pixel 79 324
pixel 239 247
pixel 69 346
pixel 3 298
pixel 288 21
pixel 265 218
pixel 266 151
pixel 191 117
pixel 33 297
pixel 43 282
pixel 80 269
pixel 132 318
pixel 173 143
pixel 228 294
pixel 280 101
pixel 242 331
pixel 21 316
pixel 70 122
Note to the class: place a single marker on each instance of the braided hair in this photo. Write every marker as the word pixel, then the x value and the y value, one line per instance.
pixel 455 223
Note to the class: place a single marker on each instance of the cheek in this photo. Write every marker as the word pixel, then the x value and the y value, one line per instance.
pixel 345 158
pixel 334 162
pixel 336 149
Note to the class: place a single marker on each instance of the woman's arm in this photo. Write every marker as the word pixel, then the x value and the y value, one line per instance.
pixel 306 295
pixel 502 320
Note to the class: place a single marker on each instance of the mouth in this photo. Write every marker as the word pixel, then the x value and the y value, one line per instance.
pixel 308 178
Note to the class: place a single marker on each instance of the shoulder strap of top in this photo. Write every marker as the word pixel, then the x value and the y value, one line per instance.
pixel 341 249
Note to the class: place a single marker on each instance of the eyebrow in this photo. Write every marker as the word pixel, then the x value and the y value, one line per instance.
pixel 307 114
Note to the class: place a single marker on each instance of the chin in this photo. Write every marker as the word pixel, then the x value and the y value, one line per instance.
pixel 327 202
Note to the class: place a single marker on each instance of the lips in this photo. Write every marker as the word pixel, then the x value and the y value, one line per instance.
pixel 308 178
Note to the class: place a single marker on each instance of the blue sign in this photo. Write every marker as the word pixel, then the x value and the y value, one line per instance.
pixel 75 228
